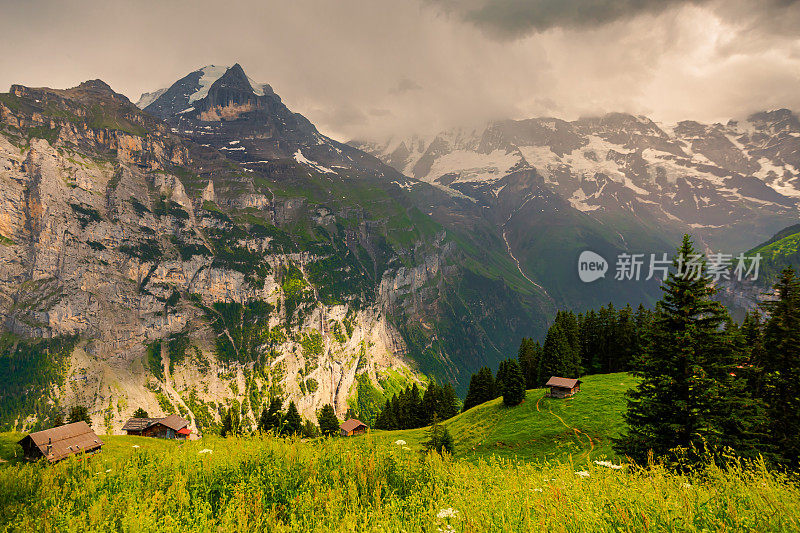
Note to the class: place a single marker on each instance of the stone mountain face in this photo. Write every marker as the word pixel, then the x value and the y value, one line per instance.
pixel 731 185
pixel 148 261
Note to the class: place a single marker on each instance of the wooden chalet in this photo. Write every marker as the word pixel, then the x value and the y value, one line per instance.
pixel 563 387
pixel 60 442
pixel 352 427
pixel 169 427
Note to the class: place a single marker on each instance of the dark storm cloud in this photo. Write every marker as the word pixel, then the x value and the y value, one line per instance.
pixel 515 18
pixel 509 19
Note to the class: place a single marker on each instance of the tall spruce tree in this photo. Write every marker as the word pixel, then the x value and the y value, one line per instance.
pixel 688 384
pixel 557 354
pixel 270 418
pixel 328 421
pixel 500 378
pixel 779 360
pixel 481 388
pixel 513 383
pixel 292 422
pixel 79 413
pixel 530 360
pixel 448 403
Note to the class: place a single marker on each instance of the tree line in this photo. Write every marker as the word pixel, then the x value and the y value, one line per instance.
pixel 510 383
pixel 414 409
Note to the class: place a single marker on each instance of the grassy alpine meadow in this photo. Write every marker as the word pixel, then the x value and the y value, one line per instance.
pixel 546 463
pixel 264 483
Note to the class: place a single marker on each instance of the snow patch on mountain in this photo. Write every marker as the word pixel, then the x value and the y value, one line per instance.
pixel 148 98
pixel 300 158
pixel 210 74
pixel 473 166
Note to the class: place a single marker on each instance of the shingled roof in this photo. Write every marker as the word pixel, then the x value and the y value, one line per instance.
pixel 353 423
pixel 564 383
pixel 62 441
pixel 173 422
pixel 138 424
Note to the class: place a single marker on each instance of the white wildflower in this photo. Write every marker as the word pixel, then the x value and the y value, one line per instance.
pixel 537 489
pixel 608 464
pixel 447 513
pixel 135 446
pixel 400 442
pixel 205 450
pixel 686 485
pixel 447 528
pixel 108 470
pixel 582 473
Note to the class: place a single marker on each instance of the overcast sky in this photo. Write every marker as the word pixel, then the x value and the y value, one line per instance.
pixel 377 67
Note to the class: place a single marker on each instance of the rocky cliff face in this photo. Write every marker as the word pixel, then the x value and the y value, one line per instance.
pixel 162 261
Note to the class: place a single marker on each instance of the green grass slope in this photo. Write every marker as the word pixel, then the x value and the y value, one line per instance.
pixel 269 484
pixel 580 428
pixel 781 251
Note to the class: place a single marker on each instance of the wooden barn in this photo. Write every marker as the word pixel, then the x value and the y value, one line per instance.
pixel 60 442
pixel 353 427
pixel 563 387
pixel 169 427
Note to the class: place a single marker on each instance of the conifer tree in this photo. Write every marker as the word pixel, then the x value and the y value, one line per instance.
pixel 686 370
pixel 270 418
pixel 557 354
pixel 227 425
pixel 530 359
pixel 430 404
pixel 415 414
pixel 309 430
pixel 439 438
pixel 449 403
pixel 481 388
pixel 140 413
pixel 293 422
pixel 328 421
pixel 569 324
pixel 58 418
pixel 780 366
pixel 78 413
pixel 500 379
pixel 513 383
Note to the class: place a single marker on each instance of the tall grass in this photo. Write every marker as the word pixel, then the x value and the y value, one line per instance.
pixel 264 484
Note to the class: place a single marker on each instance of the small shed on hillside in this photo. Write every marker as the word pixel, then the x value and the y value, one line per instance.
pixel 563 387
pixel 352 427
pixel 60 442
pixel 169 427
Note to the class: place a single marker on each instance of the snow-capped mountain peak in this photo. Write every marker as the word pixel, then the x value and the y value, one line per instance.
pixel 728 184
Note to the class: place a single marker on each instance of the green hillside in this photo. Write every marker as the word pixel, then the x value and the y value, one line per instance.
pixel 782 250
pixel 580 428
